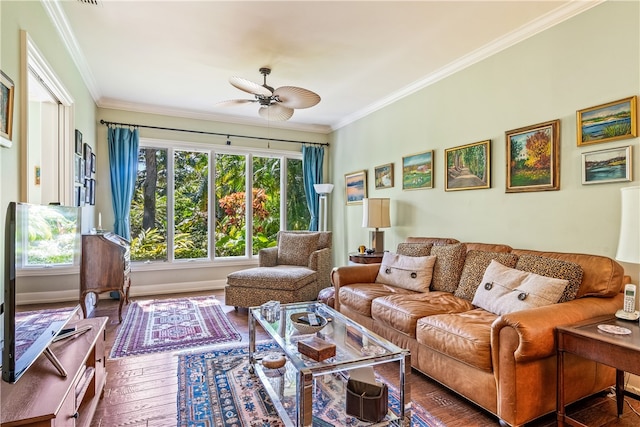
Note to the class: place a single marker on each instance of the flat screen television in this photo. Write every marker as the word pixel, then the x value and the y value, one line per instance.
pixel 36 237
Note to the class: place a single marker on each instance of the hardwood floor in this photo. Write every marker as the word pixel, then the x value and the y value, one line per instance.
pixel 141 391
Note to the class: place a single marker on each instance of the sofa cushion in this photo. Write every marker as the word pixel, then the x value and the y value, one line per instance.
pixel 448 267
pixel 463 336
pixel 505 290
pixel 475 265
pixel 295 248
pixel 358 296
pixel 556 268
pixel 401 311
pixel 408 272
pixel 282 277
pixel 414 249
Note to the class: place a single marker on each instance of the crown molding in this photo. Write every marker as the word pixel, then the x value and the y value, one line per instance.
pixel 539 25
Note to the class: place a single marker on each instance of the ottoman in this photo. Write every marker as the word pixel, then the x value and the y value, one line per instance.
pixel 284 283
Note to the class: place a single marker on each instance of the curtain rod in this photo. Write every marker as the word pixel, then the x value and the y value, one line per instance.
pixel 228 135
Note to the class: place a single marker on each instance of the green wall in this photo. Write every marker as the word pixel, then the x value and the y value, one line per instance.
pixel 588 60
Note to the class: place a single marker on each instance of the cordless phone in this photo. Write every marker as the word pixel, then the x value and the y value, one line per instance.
pixel 628 311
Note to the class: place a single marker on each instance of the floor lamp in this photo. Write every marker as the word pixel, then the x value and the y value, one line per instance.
pixel 323 190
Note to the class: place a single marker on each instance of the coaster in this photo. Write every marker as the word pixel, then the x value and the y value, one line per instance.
pixel 612 329
pixel 273 361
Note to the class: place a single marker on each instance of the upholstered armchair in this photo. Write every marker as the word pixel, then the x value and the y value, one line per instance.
pixel 295 270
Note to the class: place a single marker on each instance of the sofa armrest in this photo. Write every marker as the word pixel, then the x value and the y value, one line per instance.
pixel 320 261
pixel 268 257
pixel 535 328
pixel 348 274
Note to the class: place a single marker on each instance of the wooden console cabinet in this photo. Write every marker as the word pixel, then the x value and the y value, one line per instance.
pixel 42 397
pixel 105 267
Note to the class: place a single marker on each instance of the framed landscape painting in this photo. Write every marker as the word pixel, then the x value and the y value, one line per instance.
pixel 468 167
pixel 611 165
pixel 355 185
pixel 607 122
pixel 383 176
pixel 6 110
pixel 533 158
pixel 417 171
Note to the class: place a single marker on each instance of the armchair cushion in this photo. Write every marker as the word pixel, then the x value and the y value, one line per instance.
pixel 295 248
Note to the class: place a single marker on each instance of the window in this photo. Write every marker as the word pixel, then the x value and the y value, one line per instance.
pixel 205 215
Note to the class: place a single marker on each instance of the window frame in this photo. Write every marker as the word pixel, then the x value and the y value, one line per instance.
pixel 212 150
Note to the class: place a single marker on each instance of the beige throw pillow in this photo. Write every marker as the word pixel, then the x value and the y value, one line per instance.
pixel 407 272
pixel 295 248
pixel 505 290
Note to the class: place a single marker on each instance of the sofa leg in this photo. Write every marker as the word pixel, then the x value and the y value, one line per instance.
pixel 235 308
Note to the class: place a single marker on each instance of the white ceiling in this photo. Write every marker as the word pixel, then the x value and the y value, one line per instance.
pixel 175 57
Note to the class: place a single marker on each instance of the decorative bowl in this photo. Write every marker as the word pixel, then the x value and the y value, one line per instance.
pixel 305 328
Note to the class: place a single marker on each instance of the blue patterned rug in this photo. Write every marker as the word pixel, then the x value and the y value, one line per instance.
pixel 215 388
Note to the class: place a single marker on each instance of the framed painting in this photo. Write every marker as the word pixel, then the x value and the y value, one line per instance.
pixel 355 184
pixel 87 160
pixel 78 142
pixel 611 165
pixel 533 158
pixel 468 166
pixel 383 176
pixel 417 171
pixel 607 122
pixel 6 109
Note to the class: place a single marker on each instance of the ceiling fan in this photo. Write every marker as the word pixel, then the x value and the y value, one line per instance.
pixel 277 104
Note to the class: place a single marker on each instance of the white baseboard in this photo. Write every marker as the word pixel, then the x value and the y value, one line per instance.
pixel 134 291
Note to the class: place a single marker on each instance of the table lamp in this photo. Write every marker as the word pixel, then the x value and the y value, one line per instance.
pixel 629 240
pixel 323 190
pixel 376 215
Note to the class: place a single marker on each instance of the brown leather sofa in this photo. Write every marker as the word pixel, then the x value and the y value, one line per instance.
pixel 506 364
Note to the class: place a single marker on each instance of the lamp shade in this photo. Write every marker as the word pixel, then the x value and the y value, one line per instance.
pixel 323 188
pixel 629 241
pixel 376 213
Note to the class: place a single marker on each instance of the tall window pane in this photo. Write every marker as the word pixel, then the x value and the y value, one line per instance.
pixel 266 202
pixel 149 207
pixel 298 216
pixel 191 204
pixel 230 205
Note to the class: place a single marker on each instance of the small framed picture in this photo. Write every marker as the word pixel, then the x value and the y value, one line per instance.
pixel 87 160
pixel 383 176
pixel 78 142
pixel 417 171
pixel 355 184
pixel 93 163
pixel 607 122
pixel 87 191
pixel 79 169
pixel 533 158
pixel 6 110
pixel 92 192
pixel 468 166
pixel 603 166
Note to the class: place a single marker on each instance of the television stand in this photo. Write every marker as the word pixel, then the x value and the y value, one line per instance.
pixel 45 397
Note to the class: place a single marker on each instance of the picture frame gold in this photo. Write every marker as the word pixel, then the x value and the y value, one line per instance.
pixel 468 167
pixel 6 109
pixel 355 184
pixel 533 158
pixel 383 176
pixel 607 122
pixel 417 171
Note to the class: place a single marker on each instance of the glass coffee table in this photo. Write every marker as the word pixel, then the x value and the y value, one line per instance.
pixel 294 387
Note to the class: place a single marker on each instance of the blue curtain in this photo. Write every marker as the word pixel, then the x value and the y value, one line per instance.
pixel 312 159
pixel 123 167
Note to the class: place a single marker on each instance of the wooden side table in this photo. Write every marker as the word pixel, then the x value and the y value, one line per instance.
pixel 586 340
pixel 358 258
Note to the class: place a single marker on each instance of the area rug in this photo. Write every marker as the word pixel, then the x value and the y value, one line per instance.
pixel 155 326
pixel 215 388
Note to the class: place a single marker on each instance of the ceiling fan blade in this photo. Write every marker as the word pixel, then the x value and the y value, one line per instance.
pixel 275 112
pixel 234 102
pixel 296 97
pixel 249 86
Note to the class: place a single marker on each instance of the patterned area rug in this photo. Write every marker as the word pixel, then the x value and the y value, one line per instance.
pixel 215 388
pixel 30 324
pixel 155 326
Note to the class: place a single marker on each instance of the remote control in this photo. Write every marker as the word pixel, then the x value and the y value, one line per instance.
pixel 313 320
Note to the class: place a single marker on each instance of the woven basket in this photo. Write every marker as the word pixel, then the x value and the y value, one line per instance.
pixel 305 328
